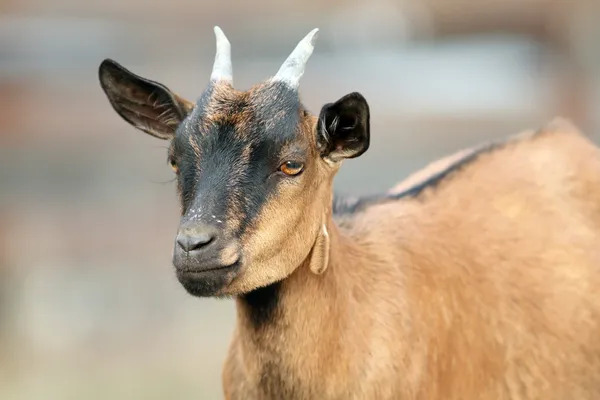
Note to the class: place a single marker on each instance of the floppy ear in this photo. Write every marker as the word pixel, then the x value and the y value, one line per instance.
pixel 343 128
pixel 147 105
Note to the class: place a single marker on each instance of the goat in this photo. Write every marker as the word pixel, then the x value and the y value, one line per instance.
pixel 477 279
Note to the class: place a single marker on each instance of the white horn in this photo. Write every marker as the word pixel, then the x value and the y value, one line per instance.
pixel 293 67
pixel 222 70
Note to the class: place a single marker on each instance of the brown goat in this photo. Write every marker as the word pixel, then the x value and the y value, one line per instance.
pixel 477 278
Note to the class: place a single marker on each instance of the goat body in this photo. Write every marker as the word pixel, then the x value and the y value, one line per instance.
pixel 479 278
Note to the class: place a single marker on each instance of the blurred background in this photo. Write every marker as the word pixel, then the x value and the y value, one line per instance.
pixel 89 305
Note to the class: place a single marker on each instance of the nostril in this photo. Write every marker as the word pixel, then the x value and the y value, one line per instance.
pixel 194 242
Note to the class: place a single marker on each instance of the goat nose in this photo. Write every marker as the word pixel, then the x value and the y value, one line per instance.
pixel 195 241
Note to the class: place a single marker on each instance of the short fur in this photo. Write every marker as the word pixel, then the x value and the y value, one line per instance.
pixel 476 278
pixel 483 287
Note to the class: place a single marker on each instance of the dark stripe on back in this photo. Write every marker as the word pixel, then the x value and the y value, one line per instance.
pixel 343 206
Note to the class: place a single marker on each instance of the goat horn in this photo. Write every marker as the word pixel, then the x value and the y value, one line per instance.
pixel 293 67
pixel 222 70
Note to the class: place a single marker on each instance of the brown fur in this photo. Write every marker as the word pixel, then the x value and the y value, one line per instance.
pixel 223 99
pixel 484 286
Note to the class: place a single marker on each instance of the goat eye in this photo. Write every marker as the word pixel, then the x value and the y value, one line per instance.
pixel 291 168
pixel 173 165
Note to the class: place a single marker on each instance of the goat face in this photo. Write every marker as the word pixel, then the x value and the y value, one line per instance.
pixel 254 171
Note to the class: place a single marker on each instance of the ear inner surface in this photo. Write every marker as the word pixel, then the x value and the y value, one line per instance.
pixel 343 128
pixel 145 104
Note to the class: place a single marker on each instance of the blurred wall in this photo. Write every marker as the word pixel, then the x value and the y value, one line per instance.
pixel 89 305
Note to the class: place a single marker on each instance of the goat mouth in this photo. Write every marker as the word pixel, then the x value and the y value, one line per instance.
pixel 209 281
pixel 203 271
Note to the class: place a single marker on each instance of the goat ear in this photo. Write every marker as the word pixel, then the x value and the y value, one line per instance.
pixel 343 128
pixel 147 105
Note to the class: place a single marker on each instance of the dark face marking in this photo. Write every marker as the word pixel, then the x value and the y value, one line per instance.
pixel 228 152
pixel 241 139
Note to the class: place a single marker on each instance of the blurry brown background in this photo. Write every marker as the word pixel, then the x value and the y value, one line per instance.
pixel 89 305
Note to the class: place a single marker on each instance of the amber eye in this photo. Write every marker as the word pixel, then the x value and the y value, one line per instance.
pixel 291 168
pixel 173 165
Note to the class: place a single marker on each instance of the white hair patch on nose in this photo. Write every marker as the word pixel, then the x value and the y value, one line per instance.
pixel 194 214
